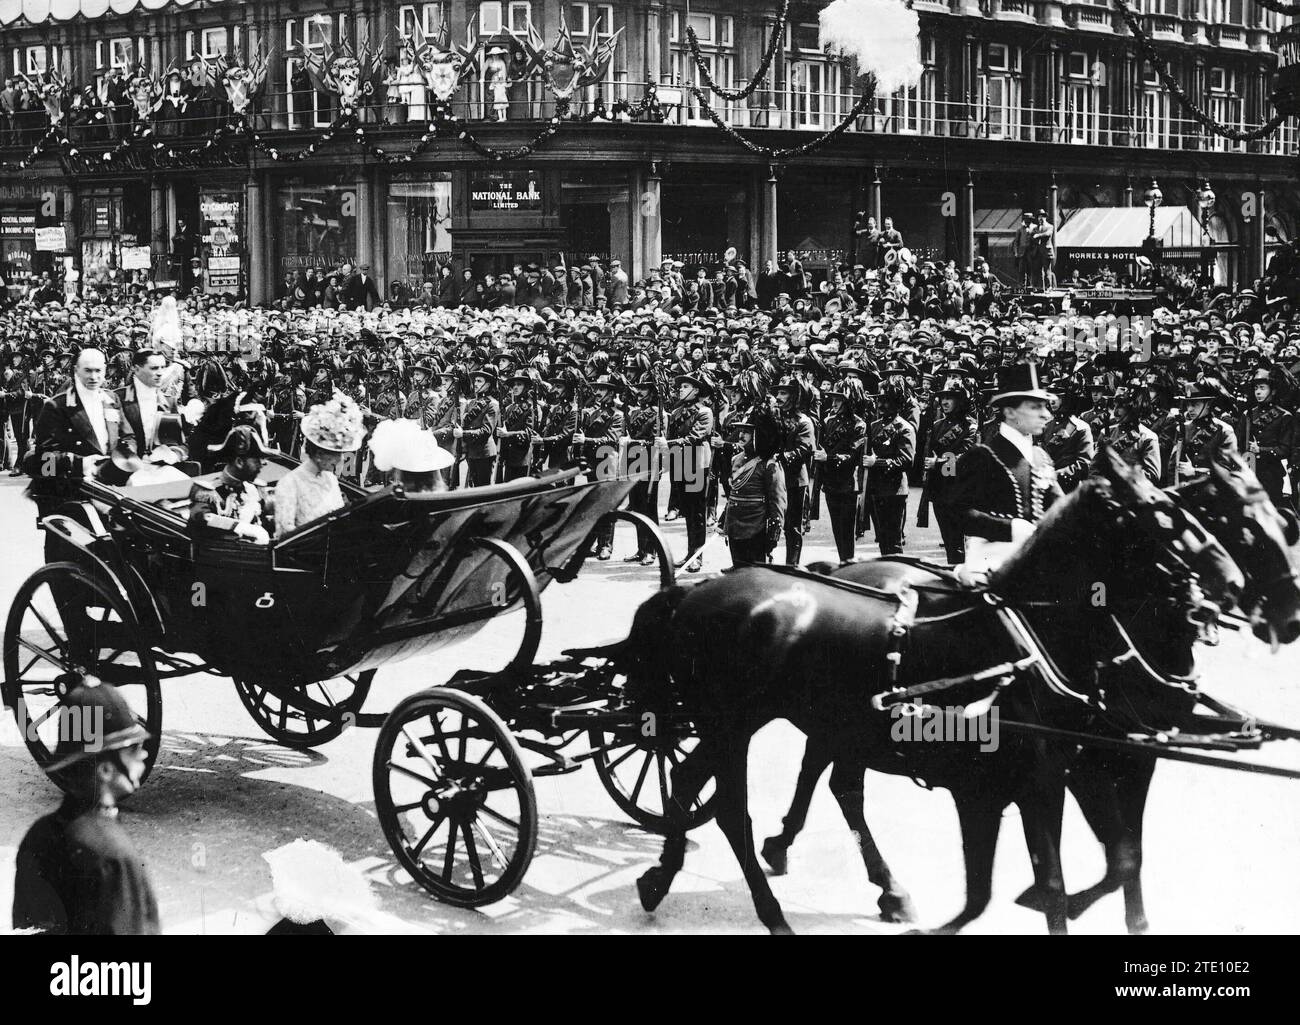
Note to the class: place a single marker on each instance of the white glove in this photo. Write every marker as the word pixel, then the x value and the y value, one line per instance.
pixel 89 464
pixel 254 532
pixel 1020 529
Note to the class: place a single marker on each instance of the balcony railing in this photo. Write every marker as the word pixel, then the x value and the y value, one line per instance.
pixel 307 114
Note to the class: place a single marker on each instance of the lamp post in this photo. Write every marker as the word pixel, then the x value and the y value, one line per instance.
pixel 1151 245
pixel 1205 204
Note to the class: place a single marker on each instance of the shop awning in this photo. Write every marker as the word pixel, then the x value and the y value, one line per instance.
pixel 36 12
pixel 1124 228
pixel 998 221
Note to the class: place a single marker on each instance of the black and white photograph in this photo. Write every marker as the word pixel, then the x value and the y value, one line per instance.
pixel 686 468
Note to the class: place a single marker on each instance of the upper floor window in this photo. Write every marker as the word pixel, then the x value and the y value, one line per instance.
pixel 429 17
pixel 119 54
pixel 495 15
pixel 710 29
pixel 583 17
pixel 210 43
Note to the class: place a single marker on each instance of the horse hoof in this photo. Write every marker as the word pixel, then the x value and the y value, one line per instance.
pixel 652 889
pixel 1138 928
pixel 1031 899
pixel 780 930
pixel 896 909
pixel 775 855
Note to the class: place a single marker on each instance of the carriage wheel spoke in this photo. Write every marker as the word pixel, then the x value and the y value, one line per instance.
pixel 413 774
pixel 491 841
pixel 470 849
pixel 423 751
pixel 622 758
pixel 403 808
pixel 418 849
pixel 437 735
pixel 640 780
pixel 663 783
pixel 325 691
pixel 38 723
pixel 48 656
pixel 483 761
pixel 449 861
pixel 487 809
pixel 54 635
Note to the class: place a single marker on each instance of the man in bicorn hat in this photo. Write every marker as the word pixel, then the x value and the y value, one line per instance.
pixel 233 505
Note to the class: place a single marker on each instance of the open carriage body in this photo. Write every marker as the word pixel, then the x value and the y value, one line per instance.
pixel 129 595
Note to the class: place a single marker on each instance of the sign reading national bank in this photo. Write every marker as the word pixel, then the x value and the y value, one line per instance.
pixel 513 191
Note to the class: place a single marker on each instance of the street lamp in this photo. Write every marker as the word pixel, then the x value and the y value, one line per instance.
pixel 1151 245
pixel 1205 203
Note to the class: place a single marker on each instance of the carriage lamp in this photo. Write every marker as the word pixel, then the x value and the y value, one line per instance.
pixel 1205 199
pixel 1151 245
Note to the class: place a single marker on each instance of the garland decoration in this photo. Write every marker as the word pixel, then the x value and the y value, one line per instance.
pixel 52 135
pixel 1149 53
pixel 702 67
pixel 864 101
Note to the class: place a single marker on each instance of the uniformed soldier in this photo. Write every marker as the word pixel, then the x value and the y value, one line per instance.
pixel 445 418
pixel 891 449
pixel 952 434
pixel 477 431
pixel 1267 432
pixel 599 436
pixel 690 426
pixel 1068 440
pixel 287 403
pixel 798 441
pixel 518 425
pixel 1203 434
pixel 387 401
pixel 644 424
pixel 555 441
pixel 843 440
pixel 421 397
pixel 1131 437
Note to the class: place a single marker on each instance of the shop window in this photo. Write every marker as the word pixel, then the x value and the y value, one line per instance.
pixel 419 230
pixel 317 226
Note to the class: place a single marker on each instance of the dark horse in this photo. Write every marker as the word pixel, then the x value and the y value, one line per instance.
pixel 1111 786
pixel 757 645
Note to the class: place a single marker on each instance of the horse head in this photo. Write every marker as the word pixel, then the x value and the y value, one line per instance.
pixel 1260 537
pixel 1119 530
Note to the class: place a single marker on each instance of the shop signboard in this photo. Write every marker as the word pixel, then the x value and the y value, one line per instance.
pixel 505 191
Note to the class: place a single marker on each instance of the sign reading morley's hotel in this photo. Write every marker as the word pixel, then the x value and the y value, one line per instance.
pixel 507 190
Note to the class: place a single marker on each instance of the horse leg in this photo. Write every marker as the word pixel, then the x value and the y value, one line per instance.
pixel 1040 813
pixel 846 784
pixel 687 780
pixel 1132 786
pixel 731 800
pixel 981 818
pixel 816 757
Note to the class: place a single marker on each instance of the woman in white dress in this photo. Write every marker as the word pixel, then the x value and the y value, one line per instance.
pixel 312 491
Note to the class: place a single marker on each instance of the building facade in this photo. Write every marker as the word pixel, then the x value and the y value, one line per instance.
pixel 1023 104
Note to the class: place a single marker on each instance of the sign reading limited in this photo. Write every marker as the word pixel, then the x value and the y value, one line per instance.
pixel 513 191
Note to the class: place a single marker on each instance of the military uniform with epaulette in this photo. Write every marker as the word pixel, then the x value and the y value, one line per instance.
pixel 1269 430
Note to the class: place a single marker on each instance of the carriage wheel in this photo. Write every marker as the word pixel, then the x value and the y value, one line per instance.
pixel 455 798
pixel 638 777
pixel 310 715
pixel 65 624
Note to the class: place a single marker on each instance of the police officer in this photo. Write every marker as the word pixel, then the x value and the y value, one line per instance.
pixel 78 873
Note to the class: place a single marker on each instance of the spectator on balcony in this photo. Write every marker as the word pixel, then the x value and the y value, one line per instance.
pixel 867 241
pixel 1045 251
pixel 10 101
pixel 172 112
pixel 31 114
pixel 1022 245
pixel 890 241
pixel 410 82
pixel 395 112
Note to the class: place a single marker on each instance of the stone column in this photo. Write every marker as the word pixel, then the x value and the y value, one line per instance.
pixel 967 244
pixel 71 229
pixel 159 233
pixel 877 199
pixel 1260 254
pixel 768 245
pixel 650 216
pixel 1128 190
pixel 365 222
pixel 256 242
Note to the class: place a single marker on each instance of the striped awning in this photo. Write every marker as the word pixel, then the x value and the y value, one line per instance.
pixel 997 221
pixel 36 12
pixel 1126 227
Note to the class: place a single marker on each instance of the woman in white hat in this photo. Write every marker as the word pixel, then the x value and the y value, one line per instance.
pixel 410 456
pixel 312 491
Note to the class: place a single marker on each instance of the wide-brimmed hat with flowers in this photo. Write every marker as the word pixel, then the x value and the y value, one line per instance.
pixel 335 426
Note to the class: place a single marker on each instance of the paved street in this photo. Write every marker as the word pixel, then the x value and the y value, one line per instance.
pixel 1221 852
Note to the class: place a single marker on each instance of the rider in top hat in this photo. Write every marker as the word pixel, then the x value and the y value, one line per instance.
pixel 77 873
pixel 233 505
pixel 1004 486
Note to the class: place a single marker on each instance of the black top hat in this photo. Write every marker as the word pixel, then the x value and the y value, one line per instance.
pixel 1017 383
pixel 242 440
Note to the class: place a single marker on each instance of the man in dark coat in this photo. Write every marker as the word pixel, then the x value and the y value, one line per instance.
pixel 77 872
pixel 1004 487
pixel 361 291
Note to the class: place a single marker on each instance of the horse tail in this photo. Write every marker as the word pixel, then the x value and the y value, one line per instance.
pixel 645 655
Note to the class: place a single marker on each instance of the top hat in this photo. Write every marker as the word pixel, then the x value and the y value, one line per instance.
pixel 1019 382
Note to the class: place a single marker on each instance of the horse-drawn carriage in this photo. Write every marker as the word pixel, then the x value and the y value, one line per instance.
pixel 301 626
